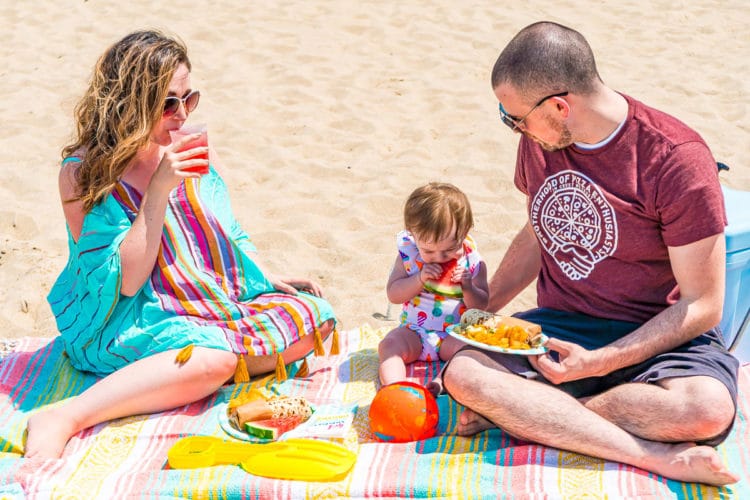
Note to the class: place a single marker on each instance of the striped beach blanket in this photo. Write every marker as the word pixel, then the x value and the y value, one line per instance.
pixel 128 457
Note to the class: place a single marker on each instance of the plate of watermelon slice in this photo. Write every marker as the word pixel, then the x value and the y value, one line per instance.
pixel 259 431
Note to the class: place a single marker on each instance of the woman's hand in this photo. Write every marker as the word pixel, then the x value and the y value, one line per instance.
pixel 289 285
pixel 172 167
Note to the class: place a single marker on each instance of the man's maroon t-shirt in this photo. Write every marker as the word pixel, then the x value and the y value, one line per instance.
pixel 605 217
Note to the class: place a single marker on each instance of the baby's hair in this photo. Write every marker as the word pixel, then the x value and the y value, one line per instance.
pixel 437 211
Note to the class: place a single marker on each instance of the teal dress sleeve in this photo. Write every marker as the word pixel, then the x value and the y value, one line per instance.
pixel 87 291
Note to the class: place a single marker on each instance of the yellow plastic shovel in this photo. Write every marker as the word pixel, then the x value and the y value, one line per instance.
pixel 298 459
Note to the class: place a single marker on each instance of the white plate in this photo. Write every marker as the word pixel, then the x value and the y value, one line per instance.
pixel 227 427
pixel 455 332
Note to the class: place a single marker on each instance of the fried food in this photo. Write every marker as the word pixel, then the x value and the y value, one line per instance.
pixel 500 331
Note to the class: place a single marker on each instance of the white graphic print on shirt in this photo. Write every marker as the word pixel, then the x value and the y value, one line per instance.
pixel 574 222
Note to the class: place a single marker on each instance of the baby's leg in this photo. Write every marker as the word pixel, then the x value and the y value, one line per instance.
pixel 152 384
pixel 399 347
pixel 448 347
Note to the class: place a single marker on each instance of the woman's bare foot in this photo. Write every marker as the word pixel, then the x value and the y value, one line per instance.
pixel 688 462
pixel 471 422
pixel 48 433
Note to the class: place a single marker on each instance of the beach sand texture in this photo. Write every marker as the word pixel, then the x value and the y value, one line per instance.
pixel 327 114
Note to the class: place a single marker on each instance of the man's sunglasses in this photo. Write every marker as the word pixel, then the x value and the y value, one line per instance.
pixel 190 101
pixel 515 122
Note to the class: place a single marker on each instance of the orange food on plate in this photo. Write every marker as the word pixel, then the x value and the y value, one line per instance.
pixel 502 331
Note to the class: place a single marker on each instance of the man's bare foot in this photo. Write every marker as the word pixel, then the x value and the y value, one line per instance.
pixel 48 433
pixel 690 463
pixel 471 422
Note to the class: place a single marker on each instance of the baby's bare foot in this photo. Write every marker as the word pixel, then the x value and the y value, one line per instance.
pixel 471 422
pixel 48 433
pixel 435 386
pixel 690 463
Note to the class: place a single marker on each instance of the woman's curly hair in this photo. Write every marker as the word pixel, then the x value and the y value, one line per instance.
pixel 123 103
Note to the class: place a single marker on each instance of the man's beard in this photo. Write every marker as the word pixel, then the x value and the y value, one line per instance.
pixel 565 140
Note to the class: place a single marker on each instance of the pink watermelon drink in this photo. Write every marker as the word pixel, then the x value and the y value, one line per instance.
pixel 444 285
pixel 201 141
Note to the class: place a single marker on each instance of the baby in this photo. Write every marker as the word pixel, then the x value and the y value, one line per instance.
pixel 437 275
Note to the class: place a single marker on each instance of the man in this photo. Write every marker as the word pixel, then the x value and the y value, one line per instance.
pixel 625 237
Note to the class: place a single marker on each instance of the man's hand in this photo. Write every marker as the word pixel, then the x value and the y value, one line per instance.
pixel 575 362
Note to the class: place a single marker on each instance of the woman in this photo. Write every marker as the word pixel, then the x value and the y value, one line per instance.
pixel 162 293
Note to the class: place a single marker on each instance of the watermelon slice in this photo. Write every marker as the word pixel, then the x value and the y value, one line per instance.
pixel 443 285
pixel 272 428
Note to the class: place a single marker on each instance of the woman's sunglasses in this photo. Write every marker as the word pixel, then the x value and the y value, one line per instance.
pixel 190 101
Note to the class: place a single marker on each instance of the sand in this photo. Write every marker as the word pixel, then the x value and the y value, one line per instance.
pixel 327 114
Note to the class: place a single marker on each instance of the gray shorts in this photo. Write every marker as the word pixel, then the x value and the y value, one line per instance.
pixel 704 355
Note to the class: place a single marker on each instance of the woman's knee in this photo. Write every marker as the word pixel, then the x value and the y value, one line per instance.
pixel 214 364
pixel 326 328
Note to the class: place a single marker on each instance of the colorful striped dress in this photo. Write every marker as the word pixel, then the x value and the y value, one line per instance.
pixel 205 289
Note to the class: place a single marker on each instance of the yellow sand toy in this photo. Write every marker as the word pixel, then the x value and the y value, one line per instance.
pixel 297 459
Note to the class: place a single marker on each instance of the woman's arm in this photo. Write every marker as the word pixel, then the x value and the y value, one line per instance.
pixel 288 284
pixel 139 249
pixel 72 210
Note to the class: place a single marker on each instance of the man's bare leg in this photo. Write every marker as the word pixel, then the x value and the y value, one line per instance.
pixel 543 414
pixel 699 408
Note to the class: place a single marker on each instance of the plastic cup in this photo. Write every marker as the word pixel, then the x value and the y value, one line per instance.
pixel 201 141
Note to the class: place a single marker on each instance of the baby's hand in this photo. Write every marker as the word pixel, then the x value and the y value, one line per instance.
pixel 461 275
pixel 430 272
